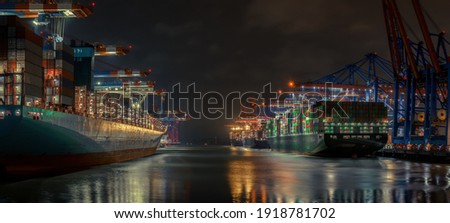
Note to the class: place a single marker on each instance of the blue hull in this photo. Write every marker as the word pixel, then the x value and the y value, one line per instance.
pixel 256 144
pixel 326 145
pixel 57 136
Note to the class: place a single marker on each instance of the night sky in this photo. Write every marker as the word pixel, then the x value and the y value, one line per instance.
pixel 241 45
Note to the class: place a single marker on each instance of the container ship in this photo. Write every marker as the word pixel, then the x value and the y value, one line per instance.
pixel 37 140
pixel 57 115
pixel 358 129
pixel 248 133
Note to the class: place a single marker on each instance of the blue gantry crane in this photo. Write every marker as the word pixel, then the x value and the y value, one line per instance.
pixel 372 71
pixel 422 70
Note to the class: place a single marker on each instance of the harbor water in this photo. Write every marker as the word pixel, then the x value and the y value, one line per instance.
pixel 228 174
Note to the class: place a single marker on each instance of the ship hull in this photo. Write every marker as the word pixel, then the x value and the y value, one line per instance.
pixel 256 144
pixel 235 142
pixel 59 141
pixel 329 145
pixel 54 164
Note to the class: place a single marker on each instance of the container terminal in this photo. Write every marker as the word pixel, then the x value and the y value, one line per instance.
pixel 399 106
pixel 56 112
pixel 412 86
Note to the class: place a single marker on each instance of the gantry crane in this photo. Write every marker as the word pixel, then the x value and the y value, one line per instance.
pixel 368 79
pixel 424 74
pixel 107 50
pixel 45 8
pixel 48 15
pixel 49 18
pixel 122 73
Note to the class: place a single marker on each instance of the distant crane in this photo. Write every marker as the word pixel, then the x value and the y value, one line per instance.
pixel 122 73
pixel 108 50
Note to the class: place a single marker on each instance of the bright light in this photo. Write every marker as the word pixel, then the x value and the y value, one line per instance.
pixel 69 13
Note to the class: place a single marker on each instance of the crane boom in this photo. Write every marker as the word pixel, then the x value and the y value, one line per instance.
pixel 122 73
pixel 58 10
pixel 426 35
pixel 110 50
pixel 392 7
pixel 392 40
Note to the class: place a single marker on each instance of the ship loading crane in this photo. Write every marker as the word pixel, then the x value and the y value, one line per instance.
pixel 368 79
pixel 133 83
pixel 423 71
pixel 111 50
pixel 170 114
pixel 99 89
pixel 122 73
pixel 85 55
pixel 172 119
pixel 45 9
pixel 49 20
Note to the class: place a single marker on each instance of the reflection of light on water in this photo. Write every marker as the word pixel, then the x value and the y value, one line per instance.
pixel 124 185
pixel 353 195
pixel 407 173
pixel 262 181
pixel 426 174
pixel 98 187
pixel 130 186
pixel 330 179
pixel 389 171
pixel 241 175
pixel 240 151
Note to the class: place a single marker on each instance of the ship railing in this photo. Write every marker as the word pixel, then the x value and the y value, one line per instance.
pixel 142 120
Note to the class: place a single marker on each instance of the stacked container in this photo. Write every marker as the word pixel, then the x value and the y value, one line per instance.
pixel 81 100
pixel 352 117
pixel 58 69
pixel 21 74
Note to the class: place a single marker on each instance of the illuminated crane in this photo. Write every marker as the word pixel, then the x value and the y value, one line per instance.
pixel 48 15
pixel 424 74
pixel 45 9
pixel 49 18
pixel 122 73
pixel 111 50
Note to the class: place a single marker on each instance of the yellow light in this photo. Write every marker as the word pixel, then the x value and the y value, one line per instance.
pixel 291 84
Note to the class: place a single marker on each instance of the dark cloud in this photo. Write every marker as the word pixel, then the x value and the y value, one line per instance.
pixel 227 45
pixel 296 16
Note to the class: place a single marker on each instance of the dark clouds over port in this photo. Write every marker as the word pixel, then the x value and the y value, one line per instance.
pixel 228 45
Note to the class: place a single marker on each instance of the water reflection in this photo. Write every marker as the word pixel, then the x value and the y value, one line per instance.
pixel 236 175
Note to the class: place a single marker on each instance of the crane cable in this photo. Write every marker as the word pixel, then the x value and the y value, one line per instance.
pixel 433 22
